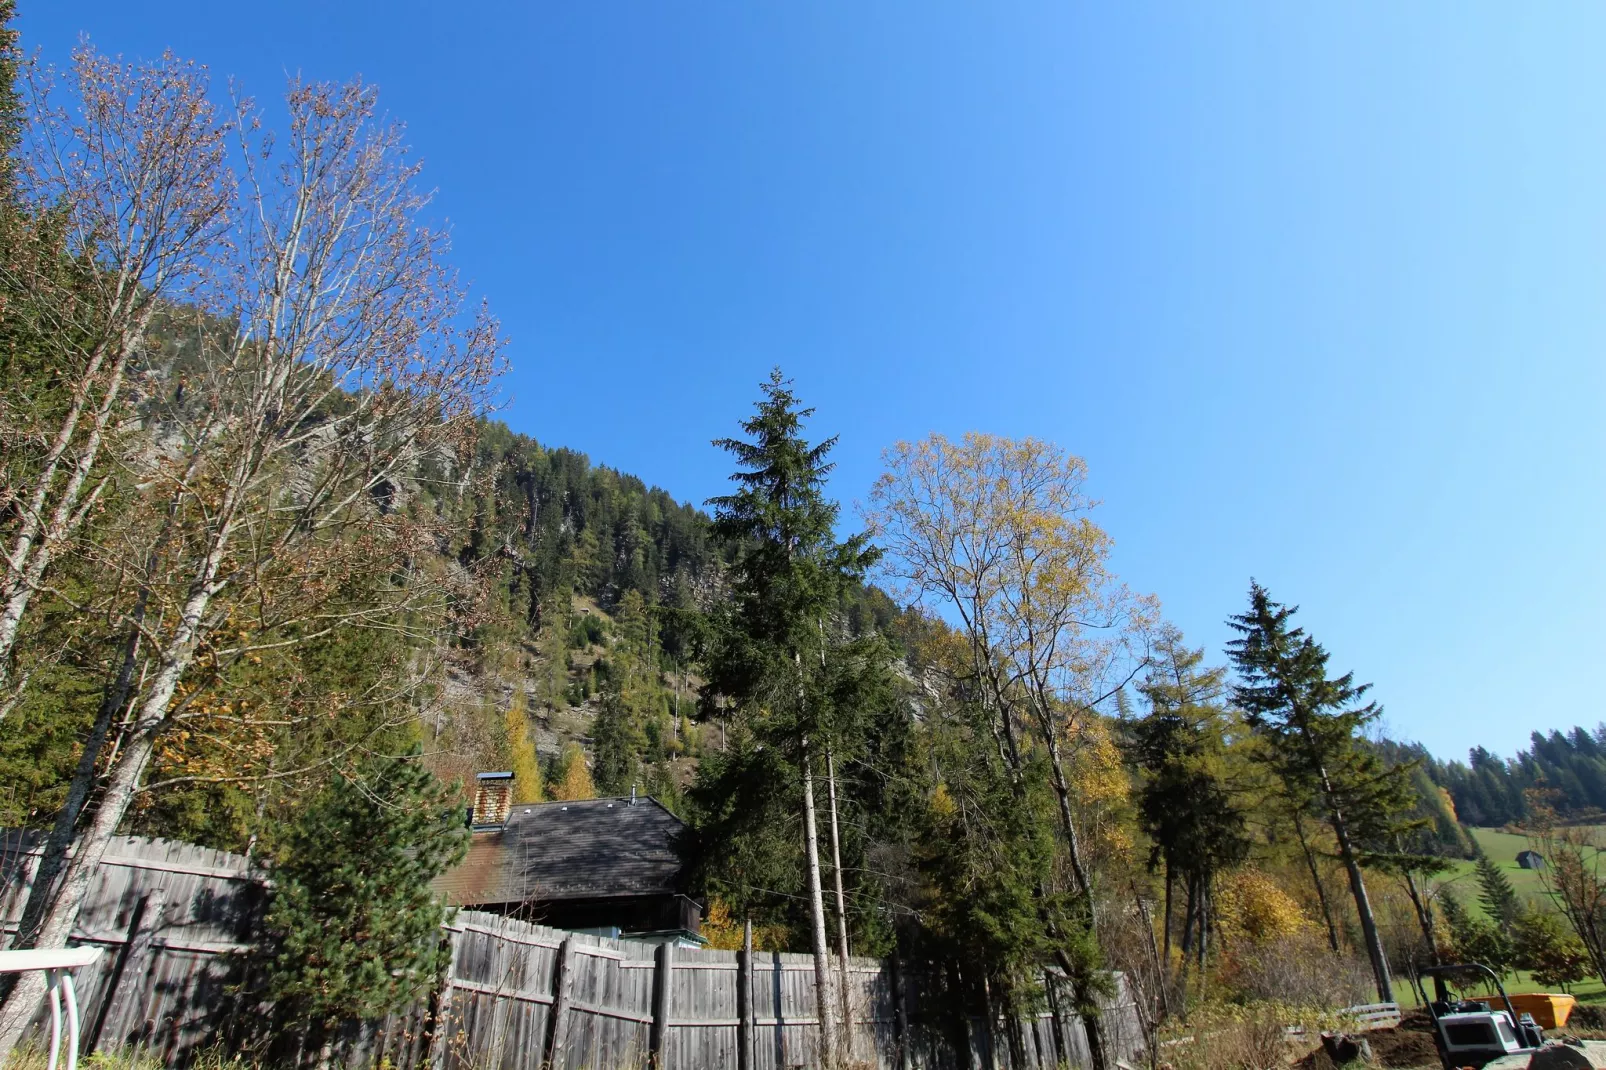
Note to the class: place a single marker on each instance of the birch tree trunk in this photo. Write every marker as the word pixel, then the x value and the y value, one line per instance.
pixel 822 956
pixel 841 908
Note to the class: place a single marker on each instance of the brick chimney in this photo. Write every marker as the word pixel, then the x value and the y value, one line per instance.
pixel 493 800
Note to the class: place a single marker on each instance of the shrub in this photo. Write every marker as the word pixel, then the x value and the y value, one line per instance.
pixel 1300 970
pixel 1249 1036
pixel 1250 906
pixel 354 926
pixel 1546 946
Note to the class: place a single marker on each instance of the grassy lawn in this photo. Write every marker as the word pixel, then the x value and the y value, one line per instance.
pixel 1590 991
pixel 1502 848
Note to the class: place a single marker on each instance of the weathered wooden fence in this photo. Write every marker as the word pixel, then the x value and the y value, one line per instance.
pixel 523 997
pixel 173 918
pixel 177 921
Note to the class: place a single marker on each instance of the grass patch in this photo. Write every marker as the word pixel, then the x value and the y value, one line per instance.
pixel 1502 849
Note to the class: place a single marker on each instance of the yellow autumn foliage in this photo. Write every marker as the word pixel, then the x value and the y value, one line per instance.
pixel 1099 781
pixel 521 754
pixel 1251 907
pixel 1449 804
pixel 575 781
pixel 724 932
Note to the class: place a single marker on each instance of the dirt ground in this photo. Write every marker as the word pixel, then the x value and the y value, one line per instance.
pixel 1408 1045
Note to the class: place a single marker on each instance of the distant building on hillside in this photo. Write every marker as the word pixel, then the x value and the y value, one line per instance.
pixel 605 866
pixel 1530 860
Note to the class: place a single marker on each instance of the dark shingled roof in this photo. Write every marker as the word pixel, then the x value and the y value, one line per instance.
pixel 570 850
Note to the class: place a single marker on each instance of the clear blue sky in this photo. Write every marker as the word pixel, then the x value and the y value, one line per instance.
pixel 1316 289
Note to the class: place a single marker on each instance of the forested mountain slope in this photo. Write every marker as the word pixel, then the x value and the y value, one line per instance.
pixel 1565 772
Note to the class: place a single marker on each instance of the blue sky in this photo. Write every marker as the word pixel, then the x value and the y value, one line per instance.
pixel 1315 289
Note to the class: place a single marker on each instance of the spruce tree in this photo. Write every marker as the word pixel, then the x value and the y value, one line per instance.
pixel 617 740
pixel 1312 723
pixel 1495 892
pixel 354 926
pixel 772 652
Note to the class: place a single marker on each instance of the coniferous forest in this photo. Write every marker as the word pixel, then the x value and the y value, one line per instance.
pixel 276 581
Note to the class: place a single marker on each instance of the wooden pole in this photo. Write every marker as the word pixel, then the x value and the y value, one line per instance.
pixel 142 958
pixel 1062 1055
pixel 562 982
pixel 142 927
pixel 663 979
pixel 1154 952
pixel 744 999
pixel 841 908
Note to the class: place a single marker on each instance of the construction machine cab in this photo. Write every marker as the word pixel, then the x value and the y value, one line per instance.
pixel 1471 1032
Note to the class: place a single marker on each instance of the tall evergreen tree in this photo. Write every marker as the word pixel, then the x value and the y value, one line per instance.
pixel 1185 804
pixel 1495 892
pixel 771 660
pixel 1313 722
pixel 617 740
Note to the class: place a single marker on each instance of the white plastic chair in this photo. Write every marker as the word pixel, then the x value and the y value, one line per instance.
pixel 58 966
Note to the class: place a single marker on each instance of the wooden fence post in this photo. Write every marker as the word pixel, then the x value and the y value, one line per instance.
pixel 744 999
pixel 663 982
pixel 562 981
pixel 777 995
pixel 142 925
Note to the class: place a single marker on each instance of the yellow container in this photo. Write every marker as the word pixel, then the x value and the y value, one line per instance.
pixel 1550 1011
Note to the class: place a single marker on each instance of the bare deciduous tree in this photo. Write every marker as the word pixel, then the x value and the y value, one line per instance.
pixel 128 202
pixel 282 447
